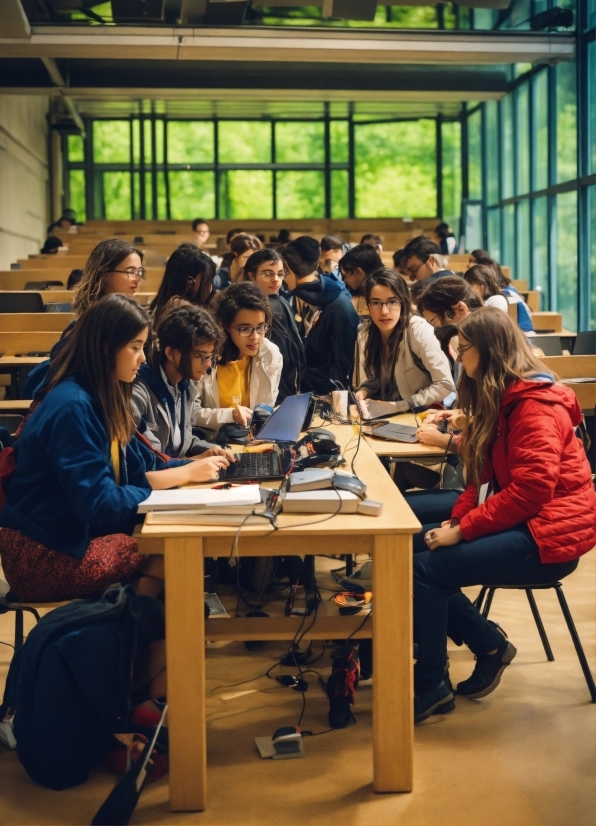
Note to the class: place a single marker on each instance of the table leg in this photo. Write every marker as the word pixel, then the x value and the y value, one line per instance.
pixel 393 713
pixel 185 651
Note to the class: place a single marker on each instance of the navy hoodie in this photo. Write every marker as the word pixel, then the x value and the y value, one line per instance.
pixel 64 492
pixel 329 346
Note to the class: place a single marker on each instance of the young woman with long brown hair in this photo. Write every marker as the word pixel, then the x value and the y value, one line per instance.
pixel 81 472
pixel 527 514
pixel 189 274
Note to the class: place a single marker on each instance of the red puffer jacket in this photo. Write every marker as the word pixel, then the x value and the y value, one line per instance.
pixel 540 471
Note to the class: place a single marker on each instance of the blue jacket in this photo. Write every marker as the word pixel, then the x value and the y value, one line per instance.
pixel 329 345
pixel 64 492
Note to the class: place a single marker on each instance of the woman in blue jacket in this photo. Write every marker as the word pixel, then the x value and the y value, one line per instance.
pixel 80 471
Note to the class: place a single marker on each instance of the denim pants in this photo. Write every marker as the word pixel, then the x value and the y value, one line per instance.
pixel 506 558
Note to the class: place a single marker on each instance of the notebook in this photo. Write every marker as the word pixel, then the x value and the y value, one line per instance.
pixel 206 500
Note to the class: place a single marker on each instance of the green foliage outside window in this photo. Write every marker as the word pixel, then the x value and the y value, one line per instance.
pixel 300 194
pixel 300 142
pixel 111 141
pixel 567 258
pixel 244 142
pixel 76 185
pixel 192 193
pixel 396 169
pixel 116 196
pixel 76 148
pixel 190 141
pixel 246 193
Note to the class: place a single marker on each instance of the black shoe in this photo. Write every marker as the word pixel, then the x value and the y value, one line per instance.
pixel 487 672
pixel 342 685
pixel 436 700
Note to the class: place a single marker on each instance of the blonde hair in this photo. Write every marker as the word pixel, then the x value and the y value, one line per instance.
pixel 505 357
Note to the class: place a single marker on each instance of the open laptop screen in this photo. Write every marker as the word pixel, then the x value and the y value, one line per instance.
pixel 285 425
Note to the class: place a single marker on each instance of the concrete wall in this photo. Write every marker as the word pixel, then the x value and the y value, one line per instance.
pixel 24 176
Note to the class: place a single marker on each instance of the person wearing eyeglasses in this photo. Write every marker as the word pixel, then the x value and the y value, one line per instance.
pixel 200 227
pixel 422 259
pixel 398 358
pixel 266 268
pixel 249 367
pixel 164 392
pixel 114 266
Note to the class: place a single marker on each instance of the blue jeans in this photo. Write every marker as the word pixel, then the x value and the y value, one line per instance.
pixel 432 505
pixel 505 558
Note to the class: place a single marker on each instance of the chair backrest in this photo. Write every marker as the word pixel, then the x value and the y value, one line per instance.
pixel 60 307
pixel 43 285
pixel 585 344
pixel 550 345
pixel 21 303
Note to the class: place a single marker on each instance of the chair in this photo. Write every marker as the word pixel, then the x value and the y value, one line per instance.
pixel 9 602
pixel 550 345
pixel 21 302
pixel 487 593
pixel 585 344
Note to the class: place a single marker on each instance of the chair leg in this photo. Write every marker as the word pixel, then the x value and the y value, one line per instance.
pixel 538 620
pixel 18 629
pixel 480 598
pixel 576 641
pixel 488 603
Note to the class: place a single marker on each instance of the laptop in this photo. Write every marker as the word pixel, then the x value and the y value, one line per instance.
pixel 392 432
pixel 285 425
pixel 373 409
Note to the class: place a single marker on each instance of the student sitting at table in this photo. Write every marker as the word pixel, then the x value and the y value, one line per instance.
pixel 356 264
pixel 164 392
pixel 268 270
pixel 524 314
pixel 398 358
pixel 249 366
pixel 483 281
pixel 80 471
pixel 332 250
pixel 200 227
pixel 527 515
pixel 242 247
pixel 327 318
pixel 189 275
pixel 422 259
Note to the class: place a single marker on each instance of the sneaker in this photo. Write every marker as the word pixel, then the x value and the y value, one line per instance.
pixel 342 685
pixel 437 700
pixel 487 672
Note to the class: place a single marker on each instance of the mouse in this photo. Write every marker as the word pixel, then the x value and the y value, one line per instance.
pixel 321 433
pixel 343 481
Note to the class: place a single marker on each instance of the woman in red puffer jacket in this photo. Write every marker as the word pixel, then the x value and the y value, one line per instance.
pixel 527 515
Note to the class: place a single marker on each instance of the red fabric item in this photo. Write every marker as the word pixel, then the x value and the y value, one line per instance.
pixel 39 574
pixel 542 475
pixel 116 758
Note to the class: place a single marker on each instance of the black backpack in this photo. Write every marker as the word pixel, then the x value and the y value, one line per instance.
pixel 70 683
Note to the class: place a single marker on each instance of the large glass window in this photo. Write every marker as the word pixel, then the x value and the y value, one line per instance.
pixel 567 258
pixel 508 236
pixel 522 139
pixel 475 155
pixel 300 194
pixel 540 130
pixel 192 194
pixel 566 121
pixel 592 202
pixel 451 166
pixel 540 236
pixel 76 191
pixel 592 101
pixel 395 169
pixel 246 193
pixel 523 267
pixel 297 142
pixel 507 149
pixel 111 141
pixel 244 142
pixel 491 131
pixel 190 142
pixel 339 193
pixel 493 225
pixel 116 196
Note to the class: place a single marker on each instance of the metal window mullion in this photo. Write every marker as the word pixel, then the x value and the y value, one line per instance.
pixel 583 167
pixel 274 172
pixel 439 163
pixel 153 167
pixel 216 166
pixel 89 171
pixel 131 167
pixel 166 168
pixel 351 162
pixel 552 180
pixel 483 175
pixel 142 188
pixel 327 162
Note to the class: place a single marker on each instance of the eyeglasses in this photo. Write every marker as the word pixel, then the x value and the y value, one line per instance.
pixel 433 319
pixel 392 304
pixel 463 349
pixel 269 275
pixel 132 273
pixel 245 330
pixel 413 270
pixel 202 357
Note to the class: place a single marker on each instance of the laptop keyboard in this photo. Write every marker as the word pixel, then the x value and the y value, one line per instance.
pixel 253 465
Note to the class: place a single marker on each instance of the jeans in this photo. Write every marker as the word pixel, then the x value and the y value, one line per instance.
pixel 432 505
pixel 506 558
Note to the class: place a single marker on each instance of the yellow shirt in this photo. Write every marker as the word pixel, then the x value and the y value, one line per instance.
pixel 233 382
pixel 115 451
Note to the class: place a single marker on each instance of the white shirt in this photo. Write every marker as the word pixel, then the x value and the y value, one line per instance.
pixel 177 396
pixel 498 301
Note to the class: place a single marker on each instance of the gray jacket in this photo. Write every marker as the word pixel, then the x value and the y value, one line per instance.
pixel 149 403
pixel 422 375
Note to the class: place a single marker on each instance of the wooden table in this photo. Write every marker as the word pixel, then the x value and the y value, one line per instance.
pixel 13 364
pixel 387 537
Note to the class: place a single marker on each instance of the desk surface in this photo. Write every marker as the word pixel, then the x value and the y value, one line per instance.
pixel 21 361
pixel 403 450
pixel 396 516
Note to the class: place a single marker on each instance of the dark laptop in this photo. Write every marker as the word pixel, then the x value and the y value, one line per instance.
pixel 284 426
pixel 392 432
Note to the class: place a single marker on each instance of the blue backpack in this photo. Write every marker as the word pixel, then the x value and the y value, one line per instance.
pixel 70 683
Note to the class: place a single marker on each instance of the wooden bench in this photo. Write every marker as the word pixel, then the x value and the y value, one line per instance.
pixel 573 367
pixel 22 342
pixel 17 279
pixel 67 296
pixel 547 320
pixel 52 262
pixel 37 322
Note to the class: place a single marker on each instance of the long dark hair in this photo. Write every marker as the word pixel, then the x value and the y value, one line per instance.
pixel 184 266
pixel 505 356
pixel 485 277
pixel 261 257
pixel 182 328
pixel 443 293
pixel 482 257
pixel 373 347
pixel 244 295
pixel 90 355
pixel 105 258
